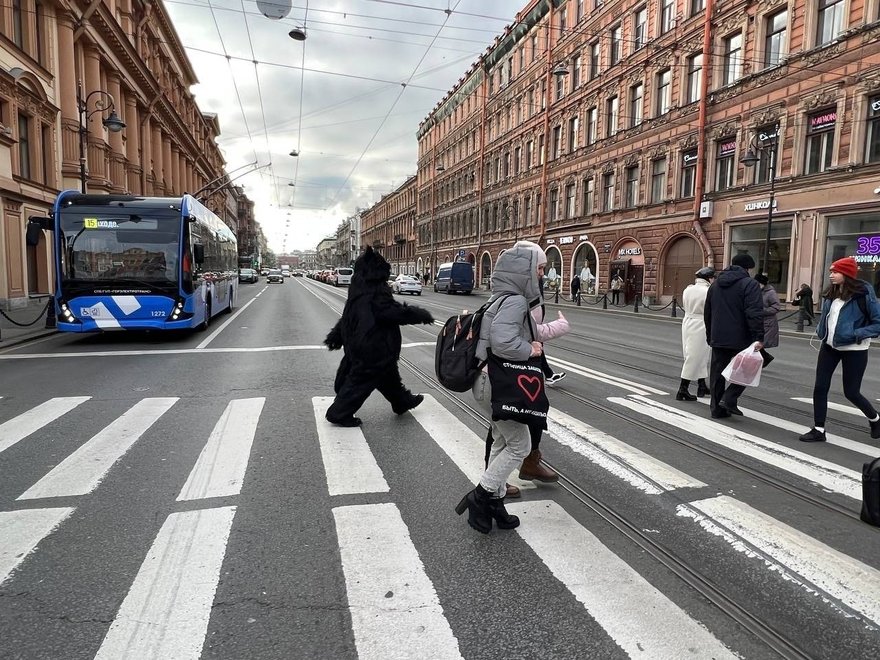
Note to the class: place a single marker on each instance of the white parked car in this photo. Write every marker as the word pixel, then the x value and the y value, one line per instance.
pixel 406 284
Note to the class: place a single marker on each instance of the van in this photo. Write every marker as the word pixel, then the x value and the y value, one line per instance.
pixel 456 277
pixel 342 276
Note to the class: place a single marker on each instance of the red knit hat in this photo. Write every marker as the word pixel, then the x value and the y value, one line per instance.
pixel 846 266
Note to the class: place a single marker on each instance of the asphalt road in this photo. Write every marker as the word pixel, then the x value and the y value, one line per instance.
pixel 180 497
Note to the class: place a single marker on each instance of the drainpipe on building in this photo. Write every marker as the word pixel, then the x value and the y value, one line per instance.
pixel 542 215
pixel 700 182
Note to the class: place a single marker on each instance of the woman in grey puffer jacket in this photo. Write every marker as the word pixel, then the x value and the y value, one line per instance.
pixel 507 330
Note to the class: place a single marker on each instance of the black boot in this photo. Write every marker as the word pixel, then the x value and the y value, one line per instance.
pixel 875 429
pixel 702 388
pixel 478 502
pixel 503 519
pixel 683 394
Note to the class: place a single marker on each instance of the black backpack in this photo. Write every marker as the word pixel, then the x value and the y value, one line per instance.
pixel 455 357
pixel 871 492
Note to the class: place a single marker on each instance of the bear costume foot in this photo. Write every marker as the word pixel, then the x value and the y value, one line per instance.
pixel 414 401
pixel 347 422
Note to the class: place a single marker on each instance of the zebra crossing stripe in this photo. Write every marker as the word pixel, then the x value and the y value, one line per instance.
pixel 223 462
pixel 82 471
pixel 165 613
pixel 395 611
pixel 349 464
pixel 853 583
pixel 22 531
pixel 631 386
pixel 849 410
pixel 614 594
pixel 36 418
pixel 831 476
pixel 620 459
pixel 463 446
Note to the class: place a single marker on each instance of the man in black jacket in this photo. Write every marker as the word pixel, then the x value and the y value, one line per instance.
pixel 734 316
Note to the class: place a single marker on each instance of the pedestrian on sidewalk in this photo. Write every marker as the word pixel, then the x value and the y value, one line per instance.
pixel 575 287
pixel 369 334
pixel 696 351
pixel 850 318
pixel 771 316
pixel 804 300
pixel 509 332
pixel 616 286
pixel 734 318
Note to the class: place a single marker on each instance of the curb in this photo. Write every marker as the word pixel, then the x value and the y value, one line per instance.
pixel 21 339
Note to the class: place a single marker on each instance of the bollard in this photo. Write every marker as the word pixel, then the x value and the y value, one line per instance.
pixel 636 304
pixel 799 326
pixel 674 315
pixel 578 298
pixel 604 301
pixel 50 314
pixel 556 297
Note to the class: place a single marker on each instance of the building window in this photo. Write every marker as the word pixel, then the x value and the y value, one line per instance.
pixel 636 100
pixel 572 134
pixel 658 180
pixel 554 205
pixel 589 196
pixel 820 140
pixel 667 16
pixel 595 60
pixel 694 77
pixel 632 186
pixel 688 172
pixel 732 58
pixel 569 200
pixel 507 165
pixel 664 92
pixel 581 10
pixel 725 163
pixel 774 39
pixel 563 21
pixel 540 149
pixel 830 21
pixel 527 210
pixel 592 126
pixel 557 142
pixel 608 191
pixel 640 25
pixel 534 47
pixel 615 52
pixel 24 145
pixel 576 71
pixel 517 158
pixel 611 116
pixel 39 32
pixel 559 87
pixel 48 147
pixel 872 139
pixel 18 24
pixel 766 137
pixel 697 6
pixel 530 154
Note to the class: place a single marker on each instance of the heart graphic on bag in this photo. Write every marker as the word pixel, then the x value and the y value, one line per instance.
pixel 531 385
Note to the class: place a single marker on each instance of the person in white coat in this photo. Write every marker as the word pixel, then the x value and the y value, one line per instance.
pixel 697 353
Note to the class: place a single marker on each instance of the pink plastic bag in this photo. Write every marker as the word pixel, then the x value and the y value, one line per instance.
pixel 745 367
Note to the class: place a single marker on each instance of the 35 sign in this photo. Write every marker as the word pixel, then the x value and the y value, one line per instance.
pixel 869 245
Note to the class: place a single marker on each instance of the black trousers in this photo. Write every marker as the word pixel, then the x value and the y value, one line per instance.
pixel 854 365
pixel 718 387
pixel 353 387
pixel 615 297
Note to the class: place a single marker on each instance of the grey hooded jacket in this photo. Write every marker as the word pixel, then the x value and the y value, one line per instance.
pixel 506 325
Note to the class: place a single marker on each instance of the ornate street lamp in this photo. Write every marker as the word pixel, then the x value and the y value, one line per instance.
pixel 111 122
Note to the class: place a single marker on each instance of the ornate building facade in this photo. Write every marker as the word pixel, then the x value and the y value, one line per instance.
pixel 60 61
pixel 612 133
pixel 390 227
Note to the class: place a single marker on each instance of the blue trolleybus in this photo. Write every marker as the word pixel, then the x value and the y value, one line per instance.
pixel 140 263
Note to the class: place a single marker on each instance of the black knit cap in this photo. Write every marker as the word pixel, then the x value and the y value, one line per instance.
pixel 743 261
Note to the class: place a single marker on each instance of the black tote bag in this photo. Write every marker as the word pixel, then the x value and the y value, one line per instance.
pixel 518 392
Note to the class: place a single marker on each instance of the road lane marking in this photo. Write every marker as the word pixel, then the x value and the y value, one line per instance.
pixel 630 386
pixel 466 449
pixel 22 531
pixel 620 459
pixel 349 465
pixel 221 466
pixel 165 613
pixel 231 318
pixel 36 418
pixel 850 410
pixel 800 429
pixel 82 471
pixel 855 584
pixel 614 594
pixel 825 473
pixel 164 352
pixel 395 611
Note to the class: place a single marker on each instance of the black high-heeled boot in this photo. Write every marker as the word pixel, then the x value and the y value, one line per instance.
pixel 702 388
pixel 478 503
pixel 683 394
pixel 503 519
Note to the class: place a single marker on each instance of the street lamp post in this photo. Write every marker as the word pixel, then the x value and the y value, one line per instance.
pixel 111 122
pixel 762 143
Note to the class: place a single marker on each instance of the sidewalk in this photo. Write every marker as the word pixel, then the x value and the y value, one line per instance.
pixel 31 320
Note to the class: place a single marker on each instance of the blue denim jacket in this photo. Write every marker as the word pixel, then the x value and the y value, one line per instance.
pixel 852 325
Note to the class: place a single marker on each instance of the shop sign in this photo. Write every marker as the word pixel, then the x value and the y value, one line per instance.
pixel 565 240
pixel 726 148
pixel 629 252
pixel 583 237
pixel 823 122
pixel 868 245
pixel 551 241
pixel 875 105
pixel 769 135
pixel 689 158
pixel 763 205
pixel 607 247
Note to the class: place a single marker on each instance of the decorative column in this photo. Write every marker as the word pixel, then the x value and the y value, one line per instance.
pixel 97 150
pixel 168 165
pixel 67 101
pixel 117 176
pixel 158 162
pixel 133 165
pixel 146 128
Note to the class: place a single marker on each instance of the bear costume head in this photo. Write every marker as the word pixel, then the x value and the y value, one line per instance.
pixel 370 268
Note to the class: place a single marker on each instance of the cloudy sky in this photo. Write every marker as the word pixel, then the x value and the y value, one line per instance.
pixel 338 98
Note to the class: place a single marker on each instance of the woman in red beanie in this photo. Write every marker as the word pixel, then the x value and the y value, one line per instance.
pixel 850 318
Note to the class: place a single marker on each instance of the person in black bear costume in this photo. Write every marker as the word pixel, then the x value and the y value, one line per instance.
pixel 369 334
